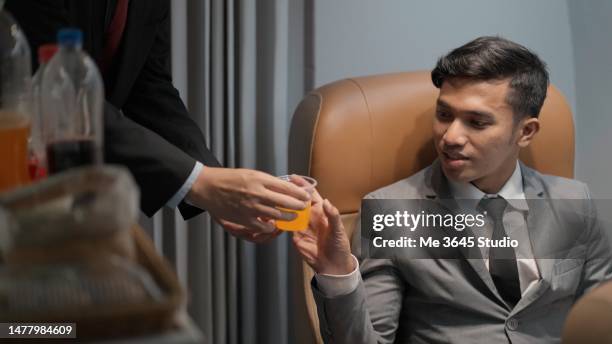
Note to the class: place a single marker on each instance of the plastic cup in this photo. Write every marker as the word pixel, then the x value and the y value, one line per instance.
pixel 300 222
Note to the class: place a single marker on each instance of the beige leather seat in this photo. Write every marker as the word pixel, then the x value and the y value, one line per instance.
pixel 359 134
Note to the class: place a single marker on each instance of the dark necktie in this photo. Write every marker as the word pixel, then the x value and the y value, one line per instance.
pixel 502 260
pixel 114 33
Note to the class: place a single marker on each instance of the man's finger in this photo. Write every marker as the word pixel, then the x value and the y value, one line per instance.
pixel 286 188
pixel 253 225
pixel 299 181
pixel 230 225
pixel 316 197
pixel 239 232
pixel 277 199
pixel 308 236
pixel 265 237
pixel 271 213
pixel 259 238
pixel 256 225
pixel 333 216
pixel 306 249
pixel 274 234
pixel 304 238
pixel 318 219
pixel 244 233
pixel 297 236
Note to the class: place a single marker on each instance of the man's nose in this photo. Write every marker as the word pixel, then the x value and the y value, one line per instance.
pixel 455 134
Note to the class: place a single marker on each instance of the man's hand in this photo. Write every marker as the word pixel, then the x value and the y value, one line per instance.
pixel 240 198
pixel 241 232
pixel 325 245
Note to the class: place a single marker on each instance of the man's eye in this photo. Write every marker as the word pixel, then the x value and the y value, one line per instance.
pixel 443 115
pixel 478 124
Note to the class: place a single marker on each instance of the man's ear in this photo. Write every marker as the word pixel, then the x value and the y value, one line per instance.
pixel 527 129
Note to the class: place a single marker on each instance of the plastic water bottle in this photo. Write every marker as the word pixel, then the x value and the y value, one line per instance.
pixel 15 102
pixel 37 163
pixel 72 97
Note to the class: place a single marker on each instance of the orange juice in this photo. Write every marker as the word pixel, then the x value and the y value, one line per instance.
pixel 14 133
pixel 300 223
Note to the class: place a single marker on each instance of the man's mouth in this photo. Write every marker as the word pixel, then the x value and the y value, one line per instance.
pixel 454 156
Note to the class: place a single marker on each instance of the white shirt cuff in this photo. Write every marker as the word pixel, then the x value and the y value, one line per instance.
pixel 182 192
pixel 337 285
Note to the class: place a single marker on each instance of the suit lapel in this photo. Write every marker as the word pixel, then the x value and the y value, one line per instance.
pixel 439 190
pixel 539 232
pixel 136 37
pixel 539 235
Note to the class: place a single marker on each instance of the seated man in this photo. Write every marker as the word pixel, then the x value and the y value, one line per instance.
pixel 491 92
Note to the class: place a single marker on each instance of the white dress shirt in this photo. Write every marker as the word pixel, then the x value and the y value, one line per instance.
pixel 468 197
pixel 182 192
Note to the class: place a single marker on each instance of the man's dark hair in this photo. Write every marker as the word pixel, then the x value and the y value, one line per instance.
pixel 496 58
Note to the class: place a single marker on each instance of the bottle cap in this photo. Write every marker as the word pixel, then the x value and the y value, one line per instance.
pixel 46 52
pixel 70 36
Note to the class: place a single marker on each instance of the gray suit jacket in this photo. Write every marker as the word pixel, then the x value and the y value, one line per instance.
pixel 404 300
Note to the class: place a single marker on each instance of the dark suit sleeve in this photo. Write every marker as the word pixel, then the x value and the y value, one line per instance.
pixel 155 103
pixel 160 170
pixel 158 141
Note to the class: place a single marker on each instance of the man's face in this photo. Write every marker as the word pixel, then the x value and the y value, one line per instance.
pixel 475 134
